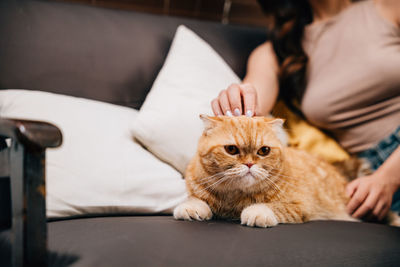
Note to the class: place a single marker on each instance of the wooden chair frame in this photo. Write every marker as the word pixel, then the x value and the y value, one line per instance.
pixel 24 163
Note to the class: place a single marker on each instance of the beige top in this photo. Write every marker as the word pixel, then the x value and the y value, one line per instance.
pixel 353 79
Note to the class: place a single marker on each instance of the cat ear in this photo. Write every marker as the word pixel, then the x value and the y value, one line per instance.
pixel 277 127
pixel 209 122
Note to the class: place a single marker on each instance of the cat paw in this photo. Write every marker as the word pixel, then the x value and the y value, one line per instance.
pixel 393 219
pixel 193 209
pixel 259 215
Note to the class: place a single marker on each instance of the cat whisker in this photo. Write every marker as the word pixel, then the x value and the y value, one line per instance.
pixel 213 185
pixel 231 173
pixel 273 187
pixel 223 173
pixel 221 176
pixel 291 167
pixel 286 176
pixel 230 182
pixel 266 175
pixel 287 183
pixel 208 188
pixel 275 172
pixel 290 177
pixel 212 176
pixel 209 180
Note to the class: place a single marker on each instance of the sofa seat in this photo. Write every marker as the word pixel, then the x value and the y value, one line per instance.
pixel 162 241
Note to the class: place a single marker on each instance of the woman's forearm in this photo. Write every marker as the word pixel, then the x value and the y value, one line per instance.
pixel 262 73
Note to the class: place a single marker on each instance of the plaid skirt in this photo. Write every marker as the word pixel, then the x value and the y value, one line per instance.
pixel 379 153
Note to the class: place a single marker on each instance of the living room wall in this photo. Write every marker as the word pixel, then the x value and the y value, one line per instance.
pixel 245 12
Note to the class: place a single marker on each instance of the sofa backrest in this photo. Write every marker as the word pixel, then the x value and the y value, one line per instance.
pixel 102 54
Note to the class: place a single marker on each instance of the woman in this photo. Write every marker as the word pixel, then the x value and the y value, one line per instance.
pixel 338 64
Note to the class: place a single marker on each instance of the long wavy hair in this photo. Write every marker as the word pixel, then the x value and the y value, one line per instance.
pixel 289 19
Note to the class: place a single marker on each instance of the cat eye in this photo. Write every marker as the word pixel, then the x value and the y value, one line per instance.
pixel 231 149
pixel 264 151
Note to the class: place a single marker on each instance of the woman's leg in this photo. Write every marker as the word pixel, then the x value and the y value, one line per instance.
pixel 377 155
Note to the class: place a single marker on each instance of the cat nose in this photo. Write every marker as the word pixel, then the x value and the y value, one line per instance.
pixel 249 164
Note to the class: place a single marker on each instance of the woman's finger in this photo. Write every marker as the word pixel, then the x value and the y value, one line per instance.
pixel 249 99
pixel 351 187
pixel 376 212
pixel 235 99
pixel 373 214
pixel 224 103
pixel 367 206
pixel 357 199
pixel 384 211
pixel 216 108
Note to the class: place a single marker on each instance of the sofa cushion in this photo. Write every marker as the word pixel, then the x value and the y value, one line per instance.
pixel 102 54
pixel 193 74
pixel 99 168
pixel 162 241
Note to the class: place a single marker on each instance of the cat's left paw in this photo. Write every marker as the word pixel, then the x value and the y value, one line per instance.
pixel 193 209
pixel 259 215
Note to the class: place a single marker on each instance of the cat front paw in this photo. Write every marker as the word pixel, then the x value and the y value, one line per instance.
pixel 193 209
pixel 259 215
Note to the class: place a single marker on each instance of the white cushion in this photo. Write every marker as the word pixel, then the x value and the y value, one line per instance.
pixel 193 74
pixel 99 168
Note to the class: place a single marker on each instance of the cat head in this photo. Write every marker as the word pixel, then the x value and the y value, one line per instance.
pixel 240 152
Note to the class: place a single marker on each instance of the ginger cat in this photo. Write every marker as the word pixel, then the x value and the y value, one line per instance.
pixel 243 171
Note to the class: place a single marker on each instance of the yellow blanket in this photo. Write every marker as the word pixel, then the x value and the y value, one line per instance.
pixel 305 136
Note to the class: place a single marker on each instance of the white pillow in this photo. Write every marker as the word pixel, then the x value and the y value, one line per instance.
pixel 193 74
pixel 99 168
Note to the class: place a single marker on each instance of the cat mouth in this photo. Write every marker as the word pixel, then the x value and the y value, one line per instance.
pixel 248 178
pixel 248 175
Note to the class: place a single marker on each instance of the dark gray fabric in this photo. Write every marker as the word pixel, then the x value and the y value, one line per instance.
pixel 5 194
pixel 108 55
pixel 157 241
pixel 5 249
pixel 5 203
pixel 162 241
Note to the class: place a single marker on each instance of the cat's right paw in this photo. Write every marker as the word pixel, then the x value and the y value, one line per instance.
pixel 259 215
pixel 193 209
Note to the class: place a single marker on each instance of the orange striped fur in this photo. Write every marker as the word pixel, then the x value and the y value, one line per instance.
pixel 284 186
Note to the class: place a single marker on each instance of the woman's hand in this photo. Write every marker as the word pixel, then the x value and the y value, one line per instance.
pixel 371 196
pixel 238 99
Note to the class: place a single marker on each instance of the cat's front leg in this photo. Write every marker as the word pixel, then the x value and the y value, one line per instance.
pixel 270 214
pixel 193 209
pixel 259 215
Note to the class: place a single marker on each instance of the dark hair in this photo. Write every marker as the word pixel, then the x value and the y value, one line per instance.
pixel 289 18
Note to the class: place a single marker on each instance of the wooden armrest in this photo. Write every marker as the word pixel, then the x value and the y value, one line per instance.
pixel 31 134
pixel 26 160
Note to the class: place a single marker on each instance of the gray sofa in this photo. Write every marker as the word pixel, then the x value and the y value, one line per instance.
pixel 114 56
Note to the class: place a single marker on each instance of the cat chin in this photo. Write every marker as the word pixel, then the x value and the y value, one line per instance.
pixel 247 180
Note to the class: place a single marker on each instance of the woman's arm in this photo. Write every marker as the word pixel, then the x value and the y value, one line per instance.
pixel 371 196
pixel 262 73
pixel 259 90
pixel 390 9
